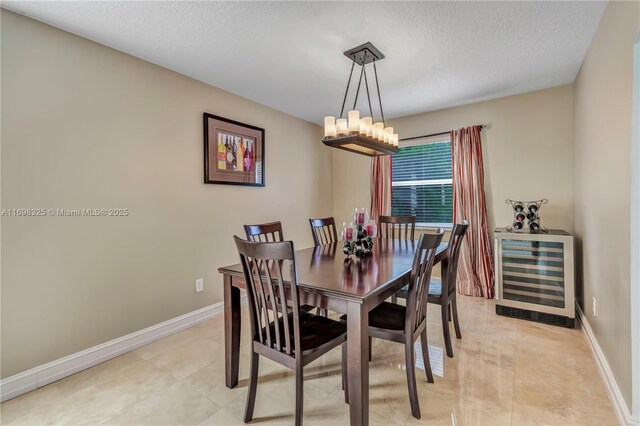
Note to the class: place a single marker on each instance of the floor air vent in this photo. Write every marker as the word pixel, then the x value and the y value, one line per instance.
pixel 535 316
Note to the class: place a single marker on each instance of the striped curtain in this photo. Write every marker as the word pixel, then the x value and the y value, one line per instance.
pixel 380 186
pixel 475 267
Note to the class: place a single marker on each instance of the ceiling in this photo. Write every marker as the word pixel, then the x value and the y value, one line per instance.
pixel 288 55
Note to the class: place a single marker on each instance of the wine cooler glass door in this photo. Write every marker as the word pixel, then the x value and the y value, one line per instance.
pixel 533 272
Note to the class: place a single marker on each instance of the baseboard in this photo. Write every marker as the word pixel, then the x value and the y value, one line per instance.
pixel 42 375
pixel 617 400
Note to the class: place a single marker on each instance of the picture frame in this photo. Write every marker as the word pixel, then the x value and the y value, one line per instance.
pixel 233 152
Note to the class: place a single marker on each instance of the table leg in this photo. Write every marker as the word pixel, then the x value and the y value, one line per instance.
pixel 231 332
pixel 358 363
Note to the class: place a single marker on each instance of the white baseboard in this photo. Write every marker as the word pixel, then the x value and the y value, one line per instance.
pixel 617 400
pixel 42 375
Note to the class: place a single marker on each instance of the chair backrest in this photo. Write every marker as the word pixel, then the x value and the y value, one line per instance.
pixel 265 232
pixel 419 280
pixel 269 299
pixel 388 225
pixel 453 254
pixel 324 231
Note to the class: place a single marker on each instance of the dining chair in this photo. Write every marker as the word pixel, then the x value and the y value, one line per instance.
pixel 443 291
pixel 393 227
pixel 272 232
pixel 280 330
pixel 264 232
pixel 404 324
pixel 323 231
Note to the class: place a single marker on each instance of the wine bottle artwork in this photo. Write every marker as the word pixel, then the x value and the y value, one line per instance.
pixel 529 216
pixel 251 159
pixel 229 145
pixel 222 152
pixel 240 156
pixel 234 152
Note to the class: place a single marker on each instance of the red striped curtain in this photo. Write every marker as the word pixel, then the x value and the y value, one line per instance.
pixel 475 267
pixel 380 186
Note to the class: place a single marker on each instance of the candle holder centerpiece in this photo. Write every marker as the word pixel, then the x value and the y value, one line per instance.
pixel 357 238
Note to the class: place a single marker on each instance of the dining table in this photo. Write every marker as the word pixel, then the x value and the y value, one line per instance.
pixel 329 279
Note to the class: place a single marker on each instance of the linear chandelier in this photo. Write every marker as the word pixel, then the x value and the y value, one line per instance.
pixel 356 134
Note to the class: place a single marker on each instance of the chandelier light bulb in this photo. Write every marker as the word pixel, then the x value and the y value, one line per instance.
pixel 369 127
pixel 378 131
pixel 330 127
pixel 365 126
pixel 388 135
pixel 354 121
pixel 341 126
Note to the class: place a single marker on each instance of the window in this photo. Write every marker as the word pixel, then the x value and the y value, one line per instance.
pixel 421 181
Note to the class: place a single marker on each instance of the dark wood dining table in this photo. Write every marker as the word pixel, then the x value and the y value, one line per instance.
pixel 328 279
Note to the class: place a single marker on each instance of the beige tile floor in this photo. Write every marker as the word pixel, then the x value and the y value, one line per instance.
pixel 505 371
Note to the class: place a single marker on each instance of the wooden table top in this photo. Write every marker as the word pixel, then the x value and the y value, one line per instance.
pixel 326 269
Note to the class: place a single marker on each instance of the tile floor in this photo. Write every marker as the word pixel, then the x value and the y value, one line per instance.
pixel 505 371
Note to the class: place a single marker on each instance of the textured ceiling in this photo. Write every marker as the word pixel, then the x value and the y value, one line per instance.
pixel 288 55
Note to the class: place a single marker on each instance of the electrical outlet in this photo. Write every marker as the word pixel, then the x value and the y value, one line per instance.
pixel 199 285
pixel 594 307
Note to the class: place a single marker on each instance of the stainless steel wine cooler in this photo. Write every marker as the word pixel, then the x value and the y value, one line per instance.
pixel 535 276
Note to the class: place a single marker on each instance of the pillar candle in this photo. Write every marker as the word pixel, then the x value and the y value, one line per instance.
pixel 354 121
pixel 365 126
pixel 330 127
pixel 388 135
pixel 341 125
pixel 378 131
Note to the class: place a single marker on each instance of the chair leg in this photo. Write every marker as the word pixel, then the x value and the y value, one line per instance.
pixel 411 379
pixel 449 309
pixel 321 312
pixel 253 384
pixel 370 348
pixel 299 394
pixel 445 330
pixel 345 376
pixel 394 299
pixel 456 322
pixel 425 354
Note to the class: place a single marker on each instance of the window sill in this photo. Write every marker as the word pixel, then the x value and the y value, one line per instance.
pixel 434 226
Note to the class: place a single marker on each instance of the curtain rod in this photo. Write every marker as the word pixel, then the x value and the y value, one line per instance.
pixel 482 126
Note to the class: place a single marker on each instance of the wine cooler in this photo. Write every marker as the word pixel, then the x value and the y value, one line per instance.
pixel 535 276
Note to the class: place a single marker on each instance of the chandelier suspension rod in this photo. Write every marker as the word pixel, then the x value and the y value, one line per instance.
pixel 366 84
pixel 375 71
pixel 353 64
pixel 355 101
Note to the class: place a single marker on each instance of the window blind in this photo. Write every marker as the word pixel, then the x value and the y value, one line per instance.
pixel 421 181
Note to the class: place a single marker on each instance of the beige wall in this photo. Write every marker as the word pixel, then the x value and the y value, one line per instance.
pixel 527 150
pixel 603 106
pixel 85 126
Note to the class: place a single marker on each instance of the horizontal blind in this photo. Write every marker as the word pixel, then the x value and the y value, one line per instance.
pixel 421 180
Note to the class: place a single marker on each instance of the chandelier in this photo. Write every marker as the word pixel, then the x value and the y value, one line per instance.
pixel 361 134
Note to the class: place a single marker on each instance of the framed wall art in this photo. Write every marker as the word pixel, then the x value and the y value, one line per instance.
pixel 233 152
